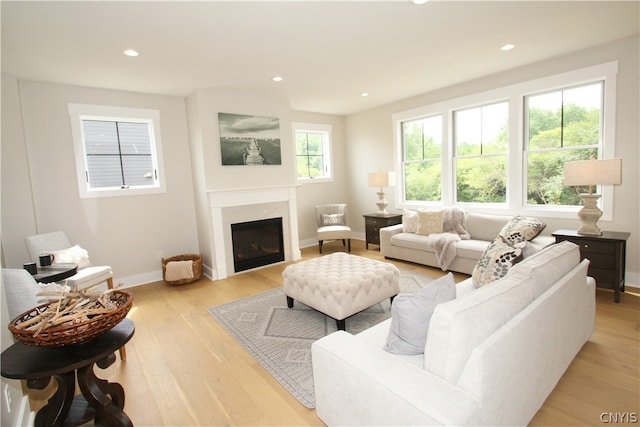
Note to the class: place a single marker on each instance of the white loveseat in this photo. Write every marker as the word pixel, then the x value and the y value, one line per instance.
pixel 492 355
pixel 483 228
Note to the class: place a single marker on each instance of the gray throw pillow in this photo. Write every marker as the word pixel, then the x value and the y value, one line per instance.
pixel 411 314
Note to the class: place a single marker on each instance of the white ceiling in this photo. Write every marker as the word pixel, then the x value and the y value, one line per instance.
pixel 327 51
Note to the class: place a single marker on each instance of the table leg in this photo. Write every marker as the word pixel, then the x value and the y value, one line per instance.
pixel 57 408
pixel 95 390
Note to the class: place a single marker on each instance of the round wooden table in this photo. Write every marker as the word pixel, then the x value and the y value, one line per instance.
pixel 100 399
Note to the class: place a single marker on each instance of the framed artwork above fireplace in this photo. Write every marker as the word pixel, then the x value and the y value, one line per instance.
pixel 249 140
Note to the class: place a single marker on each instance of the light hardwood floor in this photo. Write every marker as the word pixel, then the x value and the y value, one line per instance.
pixel 183 369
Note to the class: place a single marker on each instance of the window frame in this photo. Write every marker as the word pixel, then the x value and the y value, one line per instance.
pixel 516 168
pixel 327 141
pixel 80 112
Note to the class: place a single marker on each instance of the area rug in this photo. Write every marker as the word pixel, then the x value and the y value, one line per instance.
pixel 280 338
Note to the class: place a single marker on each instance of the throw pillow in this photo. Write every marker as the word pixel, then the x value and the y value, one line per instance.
pixel 72 255
pixel 411 314
pixel 495 262
pixel 429 222
pixel 521 229
pixel 332 219
pixel 409 221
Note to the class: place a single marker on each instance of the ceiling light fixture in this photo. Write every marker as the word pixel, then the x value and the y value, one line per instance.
pixel 507 47
pixel 420 1
pixel 277 79
pixel 131 52
pixel 363 94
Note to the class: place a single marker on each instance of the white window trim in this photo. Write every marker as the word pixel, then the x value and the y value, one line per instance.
pixel 328 150
pixel 514 94
pixel 79 112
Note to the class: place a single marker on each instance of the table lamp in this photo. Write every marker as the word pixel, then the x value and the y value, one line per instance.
pixel 382 179
pixel 592 172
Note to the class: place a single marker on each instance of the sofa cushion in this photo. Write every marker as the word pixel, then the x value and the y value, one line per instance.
pixel 521 229
pixel 458 326
pixel 409 221
pixel 471 249
pixel 495 262
pixel 429 222
pixel 411 241
pixel 547 266
pixel 411 313
pixel 484 226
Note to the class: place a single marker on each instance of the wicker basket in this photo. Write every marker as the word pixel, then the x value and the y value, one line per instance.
pixel 196 265
pixel 58 336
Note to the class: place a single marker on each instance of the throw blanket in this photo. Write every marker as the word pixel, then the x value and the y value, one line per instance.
pixel 178 270
pixel 454 225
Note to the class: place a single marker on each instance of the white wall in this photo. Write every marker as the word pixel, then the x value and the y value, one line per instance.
pixel 42 193
pixel 370 136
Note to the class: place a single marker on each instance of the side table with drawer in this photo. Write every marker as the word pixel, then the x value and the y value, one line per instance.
pixel 375 221
pixel 606 253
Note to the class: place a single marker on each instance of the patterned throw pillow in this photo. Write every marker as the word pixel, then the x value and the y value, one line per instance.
pixel 522 229
pixel 332 219
pixel 409 221
pixel 429 222
pixel 495 262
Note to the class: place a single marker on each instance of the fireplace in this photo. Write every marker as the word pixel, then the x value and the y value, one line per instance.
pixel 257 243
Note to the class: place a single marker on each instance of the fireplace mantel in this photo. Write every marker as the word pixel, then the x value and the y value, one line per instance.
pixel 249 204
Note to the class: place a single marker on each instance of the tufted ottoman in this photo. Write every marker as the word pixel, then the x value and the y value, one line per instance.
pixel 340 285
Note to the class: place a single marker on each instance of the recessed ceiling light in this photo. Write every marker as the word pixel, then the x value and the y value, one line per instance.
pixel 420 1
pixel 131 52
pixel 507 47
pixel 277 79
pixel 364 94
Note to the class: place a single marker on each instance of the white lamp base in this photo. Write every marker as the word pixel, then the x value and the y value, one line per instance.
pixel 590 214
pixel 382 203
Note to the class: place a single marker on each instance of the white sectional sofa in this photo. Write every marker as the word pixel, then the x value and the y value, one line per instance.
pixel 492 354
pixel 483 228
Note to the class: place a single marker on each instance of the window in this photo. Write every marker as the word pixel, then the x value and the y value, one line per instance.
pixel 503 150
pixel 117 150
pixel 313 152
pixel 422 166
pixel 481 138
pixel 561 126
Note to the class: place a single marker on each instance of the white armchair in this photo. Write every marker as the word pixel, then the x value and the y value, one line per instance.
pixel 332 224
pixel 58 244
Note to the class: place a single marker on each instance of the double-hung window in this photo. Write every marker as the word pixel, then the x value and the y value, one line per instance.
pixel 117 150
pixel 422 154
pixel 313 152
pixel 561 126
pixel 481 138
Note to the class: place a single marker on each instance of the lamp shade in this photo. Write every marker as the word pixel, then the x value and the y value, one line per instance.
pixel 382 179
pixel 593 172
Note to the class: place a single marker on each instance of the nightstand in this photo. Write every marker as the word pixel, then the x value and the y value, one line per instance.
pixel 607 255
pixel 375 221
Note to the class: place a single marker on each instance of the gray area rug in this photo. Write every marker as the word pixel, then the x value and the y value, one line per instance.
pixel 280 338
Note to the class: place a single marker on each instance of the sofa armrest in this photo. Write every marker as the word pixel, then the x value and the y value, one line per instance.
pixel 385 237
pixel 359 384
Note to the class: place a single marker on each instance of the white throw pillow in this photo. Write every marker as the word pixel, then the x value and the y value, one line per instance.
pixel 429 222
pixel 409 221
pixel 332 219
pixel 411 313
pixel 72 255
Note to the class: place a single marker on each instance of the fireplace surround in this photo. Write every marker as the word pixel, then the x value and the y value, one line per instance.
pixel 233 206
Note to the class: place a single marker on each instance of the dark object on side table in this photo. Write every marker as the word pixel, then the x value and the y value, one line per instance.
pixel 375 221
pixel 607 254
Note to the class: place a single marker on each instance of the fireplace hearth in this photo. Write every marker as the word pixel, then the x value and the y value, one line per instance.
pixel 257 243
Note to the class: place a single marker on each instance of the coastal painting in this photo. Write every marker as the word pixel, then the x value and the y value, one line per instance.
pixel 249 140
